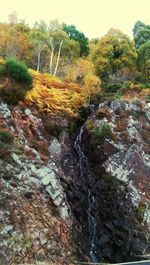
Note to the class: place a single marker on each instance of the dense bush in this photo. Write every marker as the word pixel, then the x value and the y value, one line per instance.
pixel 127 84
pixel 111 87
pixel 91 80
pixel 98 135
pixel 16 81
pixel 6 136
pixel 6 141
pixel 17 71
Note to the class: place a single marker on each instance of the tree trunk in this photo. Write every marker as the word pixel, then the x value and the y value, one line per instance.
pixel 51 60
pixel 58 58
pixel 39 60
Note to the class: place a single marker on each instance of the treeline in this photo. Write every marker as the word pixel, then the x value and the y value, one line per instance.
pixel 63 50
pixel 43 47
pixel 115 55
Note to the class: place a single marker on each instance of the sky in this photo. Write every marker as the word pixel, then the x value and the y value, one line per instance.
pixel 93 17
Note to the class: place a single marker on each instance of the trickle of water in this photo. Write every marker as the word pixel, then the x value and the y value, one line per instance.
pixel 91 226
pixel 84 172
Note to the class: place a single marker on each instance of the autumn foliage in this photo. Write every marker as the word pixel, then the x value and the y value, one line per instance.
pixel 52 95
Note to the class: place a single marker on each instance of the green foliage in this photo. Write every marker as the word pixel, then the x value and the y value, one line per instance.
pixel 141 33
pixel 146 85
pixel 6 136
pixel 98 135
pixel 142 40
pixel 16 81
pixel 84 112
pixel 111 87
pixel 23 241
pixel 118 95
pixel 142 36
pixel 138 26
pixel 17 71
pixel 2 68
pixel 144 59
pixel 78 36
pixel 105 131
pixel 123 89
pixel 6 141
pixel 112 53
pixel 127 84
pixel 70 49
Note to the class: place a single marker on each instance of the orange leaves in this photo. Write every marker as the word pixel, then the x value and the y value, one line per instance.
pixel 56 97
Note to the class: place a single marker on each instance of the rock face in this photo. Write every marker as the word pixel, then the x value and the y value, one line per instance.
pixel 112 191
pixel 66 198
pixel 35 218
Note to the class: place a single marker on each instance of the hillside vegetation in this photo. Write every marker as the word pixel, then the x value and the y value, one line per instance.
pixel 74 144
pixel 52 95
pixel 68 68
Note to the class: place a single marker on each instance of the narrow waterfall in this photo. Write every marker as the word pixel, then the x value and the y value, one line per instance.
pixel 86 174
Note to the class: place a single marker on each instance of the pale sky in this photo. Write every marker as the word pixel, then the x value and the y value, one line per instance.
pixel 93 17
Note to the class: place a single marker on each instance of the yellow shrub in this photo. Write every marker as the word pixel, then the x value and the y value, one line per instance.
pixel 91 81
pixel 52 95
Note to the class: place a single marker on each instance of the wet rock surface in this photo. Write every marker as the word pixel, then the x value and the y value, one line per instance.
pixel 83 196
pixel 110 197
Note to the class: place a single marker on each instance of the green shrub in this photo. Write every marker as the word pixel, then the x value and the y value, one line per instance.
pixel 127 84
pixel 98 135
pixel 6 141
pixel 146 85
pixel 17 71
pixel 105 132
pixel 16 81
pixel 6 136
pixel 118 95
pixel 1 70
pixel 111 87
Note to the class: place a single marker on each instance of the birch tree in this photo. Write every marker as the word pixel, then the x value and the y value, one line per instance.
pixel 38 37
pixel 56 37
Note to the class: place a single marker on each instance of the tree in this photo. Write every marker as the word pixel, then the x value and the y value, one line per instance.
pixel 13 43
pixel 141 33
pixel 55 39
pixel 78 36
pixel 137 27
pixel 112 53
pixel 70 50
pixel 144 59
pixel 142 36
pixel 83 72
pixel 38 39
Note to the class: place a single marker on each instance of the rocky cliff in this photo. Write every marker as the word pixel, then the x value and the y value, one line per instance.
pixel 74 196
pixel 35 218
pixel 113 184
